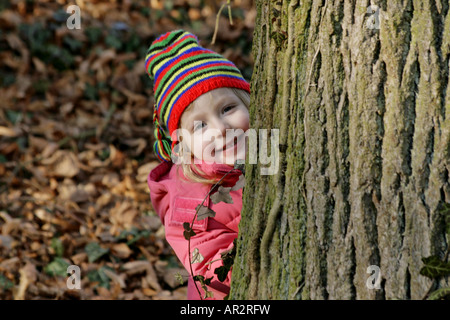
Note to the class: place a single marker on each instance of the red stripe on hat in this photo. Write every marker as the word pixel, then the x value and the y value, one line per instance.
pixel 162 38
pixel 173 85
pixel 167 49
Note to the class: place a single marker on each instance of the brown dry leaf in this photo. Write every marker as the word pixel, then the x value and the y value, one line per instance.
pixel 121 250
pixel 10 264
pixel 79 258
pixel 116 156
pixel 152 278
pixel 74 166
pixel 68 190
pixel 116 278
pixel 6 241
pixel 103 294
pixel 62 164
pixel 39 65
pixel 8 132
pixel 149 292
pixel 105 57
pixel 144 170
pixel 9 19
pixel 110 179
pixel 138 144
pixel 43 215
pixel 10 223
pixel 38 144
pixel 27 277
pixel 122 215
pixel 134 267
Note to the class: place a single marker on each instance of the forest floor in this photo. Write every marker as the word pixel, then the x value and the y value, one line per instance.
pixel 76 142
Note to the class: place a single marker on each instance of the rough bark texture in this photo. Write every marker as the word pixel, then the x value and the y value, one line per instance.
pixel 364 119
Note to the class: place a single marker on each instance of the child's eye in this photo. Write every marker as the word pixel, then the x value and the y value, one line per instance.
pixel 228 108
pixel 199 125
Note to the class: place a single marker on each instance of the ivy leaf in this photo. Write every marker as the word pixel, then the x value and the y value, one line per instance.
pixel 434 267
pixel 228 259
pixel 208 294
pixel 179 278
pixel 204 283
pixel 58 267
pixel 239 184
pixel 442 293
pixel 204 212
pixel 222 194
pixel 188 232
pixel 57 247
pixel 221 273
pixel 94 251
pixel 196 256
pixel 100 276
pixel 5 283
pixel 200 279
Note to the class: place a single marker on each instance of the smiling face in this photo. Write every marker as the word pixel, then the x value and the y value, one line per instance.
pixel 216 122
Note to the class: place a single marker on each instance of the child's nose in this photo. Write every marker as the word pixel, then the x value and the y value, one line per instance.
pixel 221 127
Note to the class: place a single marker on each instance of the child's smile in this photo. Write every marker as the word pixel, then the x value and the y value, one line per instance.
pixel 216 123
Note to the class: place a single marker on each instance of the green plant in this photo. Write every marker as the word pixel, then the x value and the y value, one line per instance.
pixel 222 194
pixel 434 267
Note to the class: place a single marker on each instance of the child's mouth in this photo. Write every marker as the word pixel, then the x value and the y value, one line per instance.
pixel 230 145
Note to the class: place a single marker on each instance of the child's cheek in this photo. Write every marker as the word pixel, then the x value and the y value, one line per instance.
pixel 244 120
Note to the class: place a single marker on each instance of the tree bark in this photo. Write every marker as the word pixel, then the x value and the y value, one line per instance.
pixel 364 120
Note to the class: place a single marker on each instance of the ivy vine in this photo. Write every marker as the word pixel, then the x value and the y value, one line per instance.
pixel 217 193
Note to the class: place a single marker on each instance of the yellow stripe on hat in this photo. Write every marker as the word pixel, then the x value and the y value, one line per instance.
pixel 159 65
pixel 168 82
pixel 196 79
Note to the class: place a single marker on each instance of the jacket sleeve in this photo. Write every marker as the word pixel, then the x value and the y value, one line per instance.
pixel 160 199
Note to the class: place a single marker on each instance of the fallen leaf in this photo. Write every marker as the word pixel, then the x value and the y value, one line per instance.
pixel 62 164
pixel 8 132
pixel 27 277
pixel 121 250
pixel 115 277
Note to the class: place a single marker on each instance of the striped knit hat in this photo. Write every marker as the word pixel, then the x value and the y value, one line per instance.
pixel 181 71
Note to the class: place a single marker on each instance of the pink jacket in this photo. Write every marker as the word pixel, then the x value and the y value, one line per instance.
pixel 175 200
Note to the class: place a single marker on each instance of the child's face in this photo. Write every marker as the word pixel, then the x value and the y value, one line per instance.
pixel 217 122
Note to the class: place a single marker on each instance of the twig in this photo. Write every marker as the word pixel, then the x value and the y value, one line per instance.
pixel 230 16
pixel 218 17
pixel 217 24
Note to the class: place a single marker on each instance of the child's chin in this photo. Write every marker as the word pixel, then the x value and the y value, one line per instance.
pixel 231 160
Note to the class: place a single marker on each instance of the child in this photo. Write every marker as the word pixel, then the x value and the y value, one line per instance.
pixel 198 93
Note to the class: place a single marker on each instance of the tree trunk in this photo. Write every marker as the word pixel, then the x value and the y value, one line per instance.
pixel 364 120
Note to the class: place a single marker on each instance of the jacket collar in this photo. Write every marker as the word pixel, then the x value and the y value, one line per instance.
pixel 211 170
